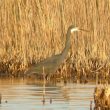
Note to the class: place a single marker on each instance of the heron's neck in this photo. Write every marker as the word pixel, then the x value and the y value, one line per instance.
pixel 67 45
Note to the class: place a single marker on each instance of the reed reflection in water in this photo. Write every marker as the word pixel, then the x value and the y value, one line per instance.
pixel 28 95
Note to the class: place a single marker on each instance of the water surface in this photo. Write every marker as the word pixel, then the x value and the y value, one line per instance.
pixel 28 95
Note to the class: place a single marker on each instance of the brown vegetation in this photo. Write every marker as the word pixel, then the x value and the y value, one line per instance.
pixel 32 30
pixel 102 98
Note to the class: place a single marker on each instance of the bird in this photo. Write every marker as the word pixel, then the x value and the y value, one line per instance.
pixel 51 64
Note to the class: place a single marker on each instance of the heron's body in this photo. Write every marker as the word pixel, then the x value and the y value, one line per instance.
pixel 51 64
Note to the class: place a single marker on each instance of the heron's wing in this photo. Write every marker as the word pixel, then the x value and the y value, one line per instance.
pixel 38 69
pixel 50 60
pixel 50 65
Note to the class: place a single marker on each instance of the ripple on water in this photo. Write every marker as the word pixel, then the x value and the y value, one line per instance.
pixel 23 96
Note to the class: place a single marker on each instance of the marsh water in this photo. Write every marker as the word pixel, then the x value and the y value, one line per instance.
pixel 28 95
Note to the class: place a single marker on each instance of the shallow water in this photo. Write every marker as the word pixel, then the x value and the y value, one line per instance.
pixel 28 95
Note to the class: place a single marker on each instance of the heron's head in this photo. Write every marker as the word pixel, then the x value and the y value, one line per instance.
pixel 73 28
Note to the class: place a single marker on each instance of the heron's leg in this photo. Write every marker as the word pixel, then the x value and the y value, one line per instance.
pixel 0 98
pixel 47 77
pixel 44 82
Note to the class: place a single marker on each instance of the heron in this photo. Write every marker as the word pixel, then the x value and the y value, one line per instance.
pixel 51 64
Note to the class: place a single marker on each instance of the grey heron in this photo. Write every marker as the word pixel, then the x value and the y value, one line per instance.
pixel 51 64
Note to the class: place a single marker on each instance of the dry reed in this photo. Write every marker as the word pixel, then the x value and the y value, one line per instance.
pixel 32 30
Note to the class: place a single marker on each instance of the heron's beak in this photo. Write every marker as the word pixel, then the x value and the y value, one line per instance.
pixel 77 29
pixel 84 30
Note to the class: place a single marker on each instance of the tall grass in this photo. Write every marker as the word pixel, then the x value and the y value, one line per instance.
pixel 32 30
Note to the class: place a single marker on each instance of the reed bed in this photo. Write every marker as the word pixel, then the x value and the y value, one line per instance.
pixel 32 30
pixel 102 98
